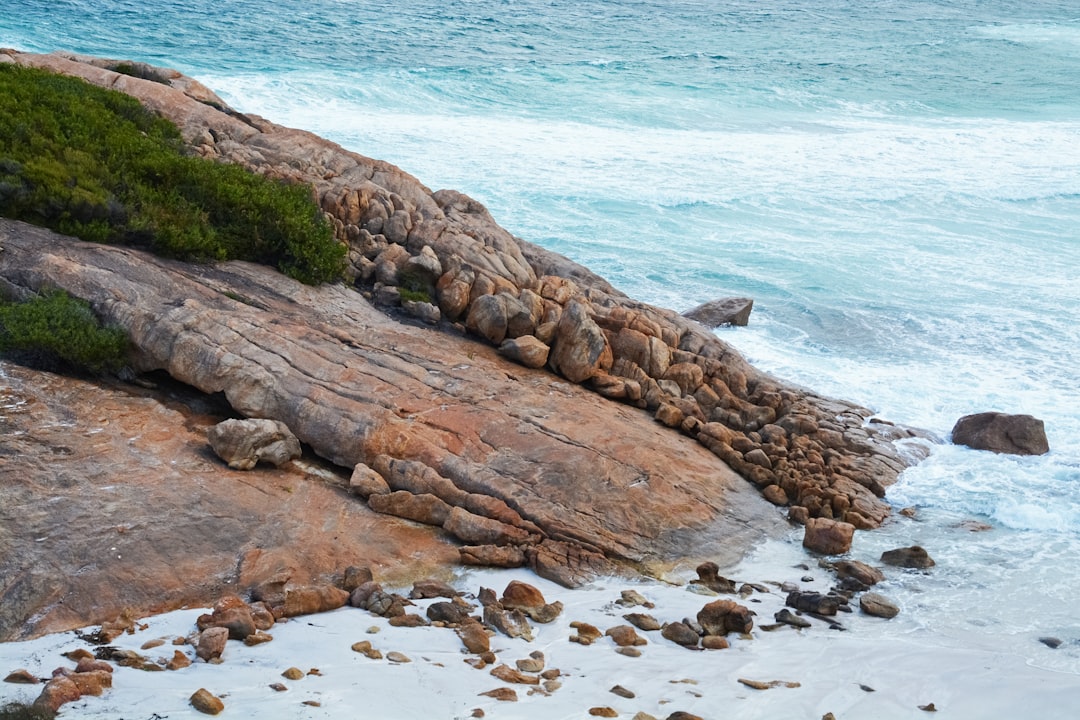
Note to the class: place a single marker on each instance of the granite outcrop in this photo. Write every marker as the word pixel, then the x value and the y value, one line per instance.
pixel 499 391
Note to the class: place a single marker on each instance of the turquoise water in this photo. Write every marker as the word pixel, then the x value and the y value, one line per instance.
pixel 896 184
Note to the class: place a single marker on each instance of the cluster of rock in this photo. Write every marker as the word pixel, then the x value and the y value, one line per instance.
pixel 443 255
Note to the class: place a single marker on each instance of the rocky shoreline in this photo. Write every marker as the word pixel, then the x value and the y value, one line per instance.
pixel 514 402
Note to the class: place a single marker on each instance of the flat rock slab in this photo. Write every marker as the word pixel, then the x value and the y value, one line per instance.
pixel 354 384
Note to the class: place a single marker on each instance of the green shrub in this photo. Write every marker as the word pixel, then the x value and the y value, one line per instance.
pixel 21 711
pixel 57 331
pixel 96 164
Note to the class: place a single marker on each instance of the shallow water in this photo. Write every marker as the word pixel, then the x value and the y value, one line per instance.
pixel 896 185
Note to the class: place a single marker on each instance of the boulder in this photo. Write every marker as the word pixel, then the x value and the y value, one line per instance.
pixel 1002 433
pixel 206 702
pixel 680 633
pixel 244 443
pixel 211 643
pixel 579 349
pixel 878 605
pixel 858 571
pixel 828 537
pixel 725 311
pixel 909 557
pixel 724 616
pixel 527 350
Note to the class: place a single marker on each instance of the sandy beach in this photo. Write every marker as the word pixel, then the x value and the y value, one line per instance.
pixel 872 668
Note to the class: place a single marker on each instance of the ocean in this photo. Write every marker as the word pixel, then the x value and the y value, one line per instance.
pixel 896 184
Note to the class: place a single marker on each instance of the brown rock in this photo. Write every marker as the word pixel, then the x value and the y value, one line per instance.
pixel 724 616
pixel 178 661
pixel 22 676
pixel 715 642
pixel 642 621
pixel 909 557
pixel 293 673
pixel 859 571
pixel 510 675
pixel 211 643
pixel 709 576
pixel 878 605
pixel 474 637
pixel 1001 433
pixel 58 691
pixel 206 702
pixel 503 694
pixel 93 682
pixel 237 620
pixel 828 537
pixel 681 715
pixel 625 636
pixel 527 350
pixel 411 620
pixel 586 634
pixel 775 494
pixel 365 482
pixel 313 599
pixel 603 712
pixel 813 602
pixel 511 623
pixel 680 634
pixel 479 530
pixel 507 556
pixel 244 443
pixel 579 349
pixel 425 508
pixel 432 589
pixel 532 664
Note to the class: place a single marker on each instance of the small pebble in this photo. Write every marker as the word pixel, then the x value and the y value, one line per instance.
pixel 622 692
pixel 1051 642
pixel 293 673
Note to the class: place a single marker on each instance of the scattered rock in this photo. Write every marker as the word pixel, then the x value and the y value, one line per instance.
pixel 909 557
pixel 680 634
pixel 709 576
pixel 1002 433
pixel 179 661
pixel 244 443
pixel 628 651
pixel 533 664
pixel 603 712
pixel 680 715
pixel 58 691
pixel 278 687
pixel 258 638
pixel 426 589
pixel 586 634
pixel 206 702
pixel 92 683
pixel 529 600
pixel 813 602
pixel 293 673
pixel 511 623
pixel 715 642
pixel 1051 642
pixel 474 637
pixel 724 616
pixel 789 618
pixel 642 621
pixel 397 657
pixel 22 677
pixel 622 692
pixel 928 708
pixel 411 620
pixel 765 685
pixel 828 537
pixel 625 636
pixel 860 571
pixel 503 694
pixel 508 674
pixel 211 643
pixel 878 605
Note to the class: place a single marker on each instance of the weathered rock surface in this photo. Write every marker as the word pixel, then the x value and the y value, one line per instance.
pixel 244 443
pixel 725 311
pixel 549 471
pixel 1002 433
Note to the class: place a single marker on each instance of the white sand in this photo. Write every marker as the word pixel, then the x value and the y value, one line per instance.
pixel 906 669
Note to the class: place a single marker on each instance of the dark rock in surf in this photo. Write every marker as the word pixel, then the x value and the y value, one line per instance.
pixel 1001 433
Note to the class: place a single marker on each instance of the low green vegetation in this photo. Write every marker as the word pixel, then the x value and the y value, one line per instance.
pixel 20 711
pixel 58 332
pixel 97 165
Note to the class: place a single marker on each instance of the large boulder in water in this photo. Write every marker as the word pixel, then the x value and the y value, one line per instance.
pixel 1002 433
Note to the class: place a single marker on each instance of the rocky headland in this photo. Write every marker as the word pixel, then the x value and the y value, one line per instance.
pixel 491 402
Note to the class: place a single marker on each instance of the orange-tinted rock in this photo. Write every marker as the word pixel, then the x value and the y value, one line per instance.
pixel 314 599
pixel 58 691
pixel 206 702
pixel 828 537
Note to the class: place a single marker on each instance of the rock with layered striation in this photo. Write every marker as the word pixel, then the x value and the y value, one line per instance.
pixel 602 486
pixel 725 311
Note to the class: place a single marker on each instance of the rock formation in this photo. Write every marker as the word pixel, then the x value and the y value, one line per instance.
pixel 1002 433
pixel 556 463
